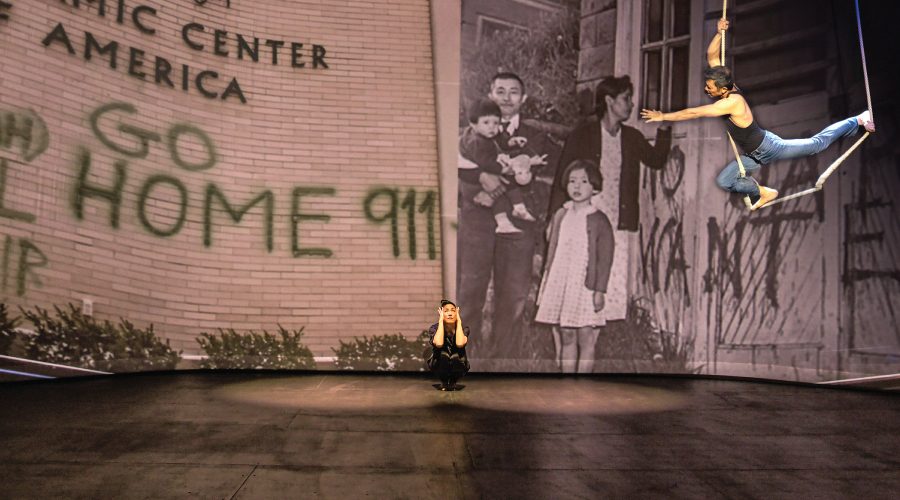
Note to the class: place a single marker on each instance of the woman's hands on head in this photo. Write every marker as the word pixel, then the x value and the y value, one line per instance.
pixel 442 314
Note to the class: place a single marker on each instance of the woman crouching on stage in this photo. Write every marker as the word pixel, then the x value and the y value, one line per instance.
pixel 446 356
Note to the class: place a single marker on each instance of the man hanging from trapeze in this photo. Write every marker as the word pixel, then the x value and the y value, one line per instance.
pixel 759 146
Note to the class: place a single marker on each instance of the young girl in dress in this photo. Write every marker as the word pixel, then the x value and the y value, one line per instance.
pixel 579 257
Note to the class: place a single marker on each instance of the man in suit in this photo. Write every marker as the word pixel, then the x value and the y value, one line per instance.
pixel 508 257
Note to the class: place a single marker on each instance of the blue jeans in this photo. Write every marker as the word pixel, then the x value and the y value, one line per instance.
pixel 774 148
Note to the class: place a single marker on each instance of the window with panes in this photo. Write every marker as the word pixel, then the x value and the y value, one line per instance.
pixel 665 53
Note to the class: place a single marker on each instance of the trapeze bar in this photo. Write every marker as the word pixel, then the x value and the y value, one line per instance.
pixel 837 162
pixel 792 196
pixel 822 178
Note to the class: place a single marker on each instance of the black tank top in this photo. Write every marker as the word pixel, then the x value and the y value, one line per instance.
pixel 747 139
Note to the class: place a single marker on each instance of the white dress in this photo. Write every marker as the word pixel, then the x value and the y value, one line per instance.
pixel 608 203
pixel 563 299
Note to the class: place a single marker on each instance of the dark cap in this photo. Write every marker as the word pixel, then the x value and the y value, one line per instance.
pixel 444 302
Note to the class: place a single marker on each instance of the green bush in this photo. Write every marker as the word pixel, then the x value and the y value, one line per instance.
pixel 7 329
pixel 143 345
pixel 73 339
pixel 251 350
pixel 390 352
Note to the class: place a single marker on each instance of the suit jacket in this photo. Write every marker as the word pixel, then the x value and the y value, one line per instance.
pixel 584 144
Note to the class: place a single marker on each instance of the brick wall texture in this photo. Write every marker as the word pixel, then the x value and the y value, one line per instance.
pixel 354 142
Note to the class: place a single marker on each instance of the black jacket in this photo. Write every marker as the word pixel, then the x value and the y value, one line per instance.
pixel 584 144
pixel 449 349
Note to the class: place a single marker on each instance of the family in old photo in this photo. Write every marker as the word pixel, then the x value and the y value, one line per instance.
pixel 549 216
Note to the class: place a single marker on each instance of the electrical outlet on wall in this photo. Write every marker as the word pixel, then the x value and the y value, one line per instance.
pixel 87 307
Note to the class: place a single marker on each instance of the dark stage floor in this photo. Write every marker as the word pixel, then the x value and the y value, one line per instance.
pixel 246 435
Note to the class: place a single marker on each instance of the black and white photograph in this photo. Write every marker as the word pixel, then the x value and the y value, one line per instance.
pixel 673 255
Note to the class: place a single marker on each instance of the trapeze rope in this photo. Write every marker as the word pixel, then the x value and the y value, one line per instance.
pixel 737 155
pixel 820 182
pixel 862 51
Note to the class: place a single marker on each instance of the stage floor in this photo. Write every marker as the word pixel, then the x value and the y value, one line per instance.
pixel 269 435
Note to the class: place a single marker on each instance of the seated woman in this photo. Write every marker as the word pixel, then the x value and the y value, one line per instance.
pixel 446 356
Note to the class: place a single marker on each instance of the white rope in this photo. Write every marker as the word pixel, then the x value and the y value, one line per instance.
pixel 722 32
pixel 822 178
pixel 737 156
pixel 743 172
pixel 862 52
pixel 820 182
pixel 792 196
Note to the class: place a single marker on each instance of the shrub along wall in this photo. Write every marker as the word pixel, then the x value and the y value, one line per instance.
pixel 235 165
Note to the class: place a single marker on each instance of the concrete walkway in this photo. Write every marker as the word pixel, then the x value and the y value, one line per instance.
pixel 248 435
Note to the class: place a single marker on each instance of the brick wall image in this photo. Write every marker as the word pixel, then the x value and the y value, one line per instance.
pixel 233 164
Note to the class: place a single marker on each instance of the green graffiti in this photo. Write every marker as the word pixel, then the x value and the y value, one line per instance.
pixel 139 144
pixel 5 6
pixel 143 136
pixel 26 266
pixel 8 212
pixel 30 258
pixel 427 207
pixel 213 199
pixel 381 204
pixel 297 217
pixel 409 203
pixel 212 192
pixel 183 128
pixel 392 214
pixel 30 130
pixel 84 190
pixel 182 205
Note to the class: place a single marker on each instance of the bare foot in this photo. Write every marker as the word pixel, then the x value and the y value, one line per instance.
pixel 865 120
pixel 765 196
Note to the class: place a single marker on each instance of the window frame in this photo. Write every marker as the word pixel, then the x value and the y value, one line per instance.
pixel 665 45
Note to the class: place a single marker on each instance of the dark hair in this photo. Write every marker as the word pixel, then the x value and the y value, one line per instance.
pixel 483 107
pixel 610 86
pixel 589 167
pixel 444 302
pixel 720 75
pixel 508 76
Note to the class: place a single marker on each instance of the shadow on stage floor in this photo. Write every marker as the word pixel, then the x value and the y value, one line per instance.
pixel 340 435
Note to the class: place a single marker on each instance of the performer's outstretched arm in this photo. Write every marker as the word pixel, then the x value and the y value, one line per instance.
pixel 721 107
